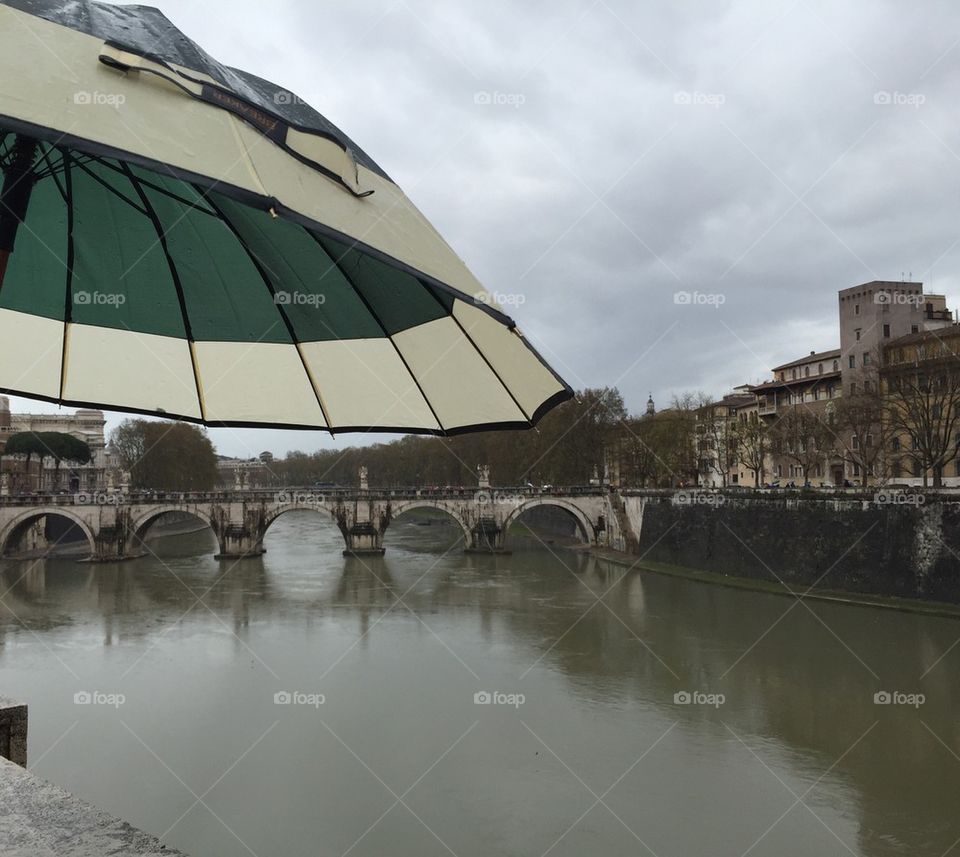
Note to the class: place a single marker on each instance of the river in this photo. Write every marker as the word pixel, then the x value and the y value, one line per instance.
pixel 430 702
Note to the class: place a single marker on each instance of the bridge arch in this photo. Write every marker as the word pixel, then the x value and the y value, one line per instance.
pixel 18 525
pixel 140 525
pixel 583 522
pixel 398 509
pixel 319 508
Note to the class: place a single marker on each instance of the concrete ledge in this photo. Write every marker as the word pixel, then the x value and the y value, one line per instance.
pixel 13 731
pixel 365 552
pixel 43 820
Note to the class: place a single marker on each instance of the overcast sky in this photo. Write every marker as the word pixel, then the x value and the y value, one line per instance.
pixel 590 159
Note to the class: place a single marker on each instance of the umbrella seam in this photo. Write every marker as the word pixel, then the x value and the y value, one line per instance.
pixel 279 307
pixel 380 324
pixel 175 276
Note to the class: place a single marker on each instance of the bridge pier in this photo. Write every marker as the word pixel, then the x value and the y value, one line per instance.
pixel 363 524
pixel 237 542
pixel 487 536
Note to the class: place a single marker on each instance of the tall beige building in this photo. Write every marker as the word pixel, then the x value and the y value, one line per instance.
pixel 86 425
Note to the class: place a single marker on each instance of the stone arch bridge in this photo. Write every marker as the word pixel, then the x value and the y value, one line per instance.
pixel 115 524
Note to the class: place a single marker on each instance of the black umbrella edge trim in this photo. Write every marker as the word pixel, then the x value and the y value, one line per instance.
pixel 518 425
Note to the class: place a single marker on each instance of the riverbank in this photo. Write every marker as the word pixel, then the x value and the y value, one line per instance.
pixel 858 599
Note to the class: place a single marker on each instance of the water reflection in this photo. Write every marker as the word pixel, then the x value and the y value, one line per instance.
pixel 401 643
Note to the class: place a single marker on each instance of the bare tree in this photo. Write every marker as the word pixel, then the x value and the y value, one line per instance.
pixel 863 430
pixel 924 406
pixel 716 440
pixel 753 445
pixel 803 437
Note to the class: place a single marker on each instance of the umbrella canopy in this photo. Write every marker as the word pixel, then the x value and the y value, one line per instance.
pixel 186 239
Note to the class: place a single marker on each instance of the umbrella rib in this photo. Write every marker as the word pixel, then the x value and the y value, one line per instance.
pixel 159 189
pixel 110 188
pixel 380 324
pixel 469 339
pixel 68 289
pixel 283 313
pixel 175 276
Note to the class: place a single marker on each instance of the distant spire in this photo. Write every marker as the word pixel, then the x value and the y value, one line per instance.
pixel 651 410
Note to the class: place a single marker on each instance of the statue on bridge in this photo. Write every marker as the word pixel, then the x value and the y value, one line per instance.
pixel 483 475
pixel 364 486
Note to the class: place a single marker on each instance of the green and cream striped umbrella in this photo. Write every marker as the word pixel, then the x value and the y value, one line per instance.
pixel 186 239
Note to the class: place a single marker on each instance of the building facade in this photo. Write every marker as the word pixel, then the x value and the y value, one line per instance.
pixel 102 472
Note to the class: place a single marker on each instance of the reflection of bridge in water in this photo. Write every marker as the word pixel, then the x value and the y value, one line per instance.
pixel 116 524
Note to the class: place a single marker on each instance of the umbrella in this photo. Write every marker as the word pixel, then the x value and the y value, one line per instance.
pixel 186 239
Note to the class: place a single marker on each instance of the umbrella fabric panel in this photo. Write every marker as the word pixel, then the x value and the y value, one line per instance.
pixel 531 382
pixel 459 384
pixel 365 383
pixel 121 275
pixel 396 299
pixel 36 276
pixel 225 297
pixel 318 300
pixel 31 349
pixel 255 382
pixel 129 371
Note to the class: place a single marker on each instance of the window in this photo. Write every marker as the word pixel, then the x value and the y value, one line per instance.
pixel 895 443
pixel 853 388
pixel 855 443
pixel 793 374
pixel 819 368
pixel 935 411
pixel 857 332
pixel 853 361
pixel 806 371
pixel 836 365
pixel 896 469
pixel 868 441
pixel 866 358
pixel 914 328
pixel 856 309
pixel 886 331
pixel 867 387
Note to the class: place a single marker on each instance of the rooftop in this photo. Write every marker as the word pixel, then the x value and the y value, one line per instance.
pixel 926 336
pixel 812 357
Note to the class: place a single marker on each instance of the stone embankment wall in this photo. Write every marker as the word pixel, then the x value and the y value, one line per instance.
pixel 882 543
